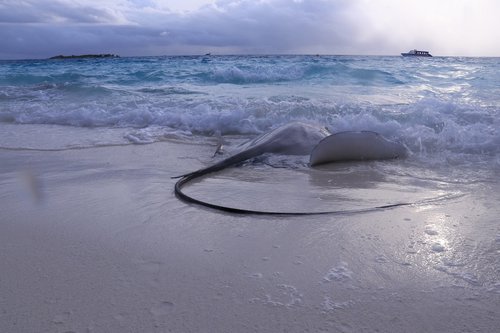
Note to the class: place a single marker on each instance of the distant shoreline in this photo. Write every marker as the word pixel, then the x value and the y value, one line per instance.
pixel 83 56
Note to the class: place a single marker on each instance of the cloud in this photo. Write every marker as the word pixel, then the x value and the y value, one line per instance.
pixel 266 26
pixel 38 29
pixel 57 12
pixel 135 28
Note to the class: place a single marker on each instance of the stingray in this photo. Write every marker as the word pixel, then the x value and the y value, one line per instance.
pixel 299 138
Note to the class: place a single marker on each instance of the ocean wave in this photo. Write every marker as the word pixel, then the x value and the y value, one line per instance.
pixel 431 106
pixel 24 78
pixel 428 125
pixel 335 74
pixel 169 90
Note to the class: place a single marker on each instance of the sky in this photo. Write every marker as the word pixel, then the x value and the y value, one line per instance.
pixel 42 28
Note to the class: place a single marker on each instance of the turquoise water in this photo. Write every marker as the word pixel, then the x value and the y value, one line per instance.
pixel 434 105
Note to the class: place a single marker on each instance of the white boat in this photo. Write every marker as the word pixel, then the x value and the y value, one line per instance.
pixel 416 53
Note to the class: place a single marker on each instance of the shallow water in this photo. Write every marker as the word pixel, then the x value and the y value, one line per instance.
pixel 103 244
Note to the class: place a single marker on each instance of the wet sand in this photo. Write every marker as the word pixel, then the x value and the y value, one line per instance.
pixel 94 240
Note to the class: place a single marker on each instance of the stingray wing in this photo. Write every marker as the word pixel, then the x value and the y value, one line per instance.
pixel 355 146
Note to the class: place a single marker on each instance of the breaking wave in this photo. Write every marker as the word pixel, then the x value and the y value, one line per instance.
pixel 433 106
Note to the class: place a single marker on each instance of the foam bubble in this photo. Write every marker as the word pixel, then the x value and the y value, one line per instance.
pixel 287 296
pixel 330 305
pixel 339 273
pixel 438 247
pixel 431 230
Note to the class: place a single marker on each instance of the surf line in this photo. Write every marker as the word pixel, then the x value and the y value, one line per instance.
pixel 298 138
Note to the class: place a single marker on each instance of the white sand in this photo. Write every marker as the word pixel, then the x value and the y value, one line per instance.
pixel 94 240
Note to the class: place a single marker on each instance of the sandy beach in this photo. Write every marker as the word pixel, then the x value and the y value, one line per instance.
pixel 94 240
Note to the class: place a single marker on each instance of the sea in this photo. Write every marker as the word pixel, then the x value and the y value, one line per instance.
pixel 446 110
pixel 88 148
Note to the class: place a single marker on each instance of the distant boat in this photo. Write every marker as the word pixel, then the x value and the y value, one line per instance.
pixel 416 53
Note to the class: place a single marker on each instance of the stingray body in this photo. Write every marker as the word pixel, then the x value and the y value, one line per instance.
pixel 298 138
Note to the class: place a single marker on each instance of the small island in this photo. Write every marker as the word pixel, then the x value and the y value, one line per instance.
pixel 84 56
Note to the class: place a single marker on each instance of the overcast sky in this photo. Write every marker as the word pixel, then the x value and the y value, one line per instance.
pixel 43 28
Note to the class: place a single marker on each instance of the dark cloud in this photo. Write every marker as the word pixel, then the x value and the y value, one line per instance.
pixel 41 29
pixel 277 26
pixel 52 12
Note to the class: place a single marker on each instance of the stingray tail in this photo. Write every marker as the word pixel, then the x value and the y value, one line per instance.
pixel 213 168
pixel 187 198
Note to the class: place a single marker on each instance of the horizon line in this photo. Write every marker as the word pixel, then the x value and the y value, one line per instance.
pixel 210 54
